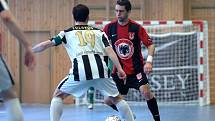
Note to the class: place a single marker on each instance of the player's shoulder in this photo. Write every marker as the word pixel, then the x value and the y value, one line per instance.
pixel 94 28
pixel 111 23
pixel 134 23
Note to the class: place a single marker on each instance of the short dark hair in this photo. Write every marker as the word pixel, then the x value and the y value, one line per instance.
pixel 125 3
pixel 80 12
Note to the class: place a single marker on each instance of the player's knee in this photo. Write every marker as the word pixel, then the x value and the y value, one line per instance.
pixel 148 95
pixel 117 99
pixel 60 94
pixel 108 101
pixel 146 92
pixel 8 94
pixel 113 100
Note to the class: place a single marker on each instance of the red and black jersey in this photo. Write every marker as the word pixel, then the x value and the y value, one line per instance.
pixel 126 41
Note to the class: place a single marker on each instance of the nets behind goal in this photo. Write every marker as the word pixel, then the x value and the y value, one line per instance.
pixel 180 64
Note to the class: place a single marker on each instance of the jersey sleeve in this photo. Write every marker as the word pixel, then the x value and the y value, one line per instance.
pixel 59 38
pixel 105 40
pixel 105 29
pixel 3 5
pixel 143 35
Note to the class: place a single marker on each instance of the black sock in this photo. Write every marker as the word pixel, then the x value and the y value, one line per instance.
pixel 114 107
pixel 153 107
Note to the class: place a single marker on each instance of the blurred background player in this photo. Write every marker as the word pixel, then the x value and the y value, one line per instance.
pixel 86 46
pixel 7 92
pixel 90 97
pixel 126 37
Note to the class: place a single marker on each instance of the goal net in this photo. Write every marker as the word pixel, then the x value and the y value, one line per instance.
pixel 180 64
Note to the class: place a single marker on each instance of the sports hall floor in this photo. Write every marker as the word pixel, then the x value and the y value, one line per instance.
pixel 81 113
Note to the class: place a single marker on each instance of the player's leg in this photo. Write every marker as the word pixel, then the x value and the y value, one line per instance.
pixel 62 91
pixel 151 101
pixel 8 94
pixel 108 88
pixel 65 88
pixel 110 103
pixel 90 97
pixel 12 105
pixel 56 108
pixel 149 96
pixel 123 108
pixel 122 88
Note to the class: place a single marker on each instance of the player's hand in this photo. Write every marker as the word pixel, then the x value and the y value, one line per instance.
pixel 122 75
pixel 148 67
pixel 29 58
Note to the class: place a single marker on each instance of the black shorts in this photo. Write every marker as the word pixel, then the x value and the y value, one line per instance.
pixel 132 81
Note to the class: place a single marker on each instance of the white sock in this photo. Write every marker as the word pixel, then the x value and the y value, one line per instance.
pixel 14 110
pixel 56 109
pixel 124 110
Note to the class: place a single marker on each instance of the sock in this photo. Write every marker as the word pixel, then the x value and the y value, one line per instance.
pixel 14 110
pixel 56 109
pixel 114 107
pixel 124 110
pixel 153 107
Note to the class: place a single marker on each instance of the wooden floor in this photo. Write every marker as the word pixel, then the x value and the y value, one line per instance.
pixel 100 112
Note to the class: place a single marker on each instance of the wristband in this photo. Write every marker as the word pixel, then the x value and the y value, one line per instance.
pixel 149 59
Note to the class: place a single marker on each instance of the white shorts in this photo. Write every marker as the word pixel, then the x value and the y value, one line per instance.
pixel 77 88
pixel 6 80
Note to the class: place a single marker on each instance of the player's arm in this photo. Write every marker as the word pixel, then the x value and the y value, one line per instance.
pixel 148 64
pixel 110 52
pixel 55 41
pixel 43 46
pixel 151 50
pixel 150 47
pixel 112 55
pixel 11 23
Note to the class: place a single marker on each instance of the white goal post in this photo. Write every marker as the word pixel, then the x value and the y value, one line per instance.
pixel 180 65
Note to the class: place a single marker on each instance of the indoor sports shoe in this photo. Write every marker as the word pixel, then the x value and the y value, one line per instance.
pixel 90 106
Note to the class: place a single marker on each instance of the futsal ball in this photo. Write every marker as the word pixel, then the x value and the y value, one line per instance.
pixel 112 118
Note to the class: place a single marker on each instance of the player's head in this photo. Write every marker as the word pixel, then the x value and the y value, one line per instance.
pixel 80 13
pixel 122 10
pixel 125 3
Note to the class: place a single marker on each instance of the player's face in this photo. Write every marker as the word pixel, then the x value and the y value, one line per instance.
pixel 121 13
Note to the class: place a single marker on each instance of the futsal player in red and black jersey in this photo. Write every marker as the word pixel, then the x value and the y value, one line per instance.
pixel 126 37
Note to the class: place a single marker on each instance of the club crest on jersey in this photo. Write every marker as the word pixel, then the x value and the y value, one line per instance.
pixel 124 48
pixel 131 35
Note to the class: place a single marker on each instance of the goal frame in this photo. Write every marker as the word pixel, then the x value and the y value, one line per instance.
pixel 203 61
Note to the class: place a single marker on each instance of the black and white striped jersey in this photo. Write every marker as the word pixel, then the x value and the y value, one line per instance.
pixel 3 5
pixel 85 46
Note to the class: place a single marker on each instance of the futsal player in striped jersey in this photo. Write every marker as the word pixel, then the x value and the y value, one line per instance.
pixel 7 93
pixel 87 48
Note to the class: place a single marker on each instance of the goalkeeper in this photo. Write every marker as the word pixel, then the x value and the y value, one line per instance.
pixel 126 37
